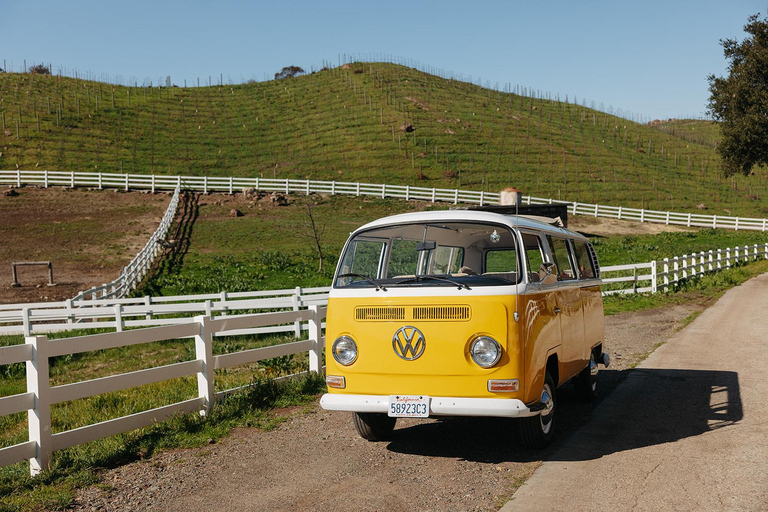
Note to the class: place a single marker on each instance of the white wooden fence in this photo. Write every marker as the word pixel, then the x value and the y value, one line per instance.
pixel 231 185
pixel 43 317
pixel 40 395
pixel 132 273
pixel 655 275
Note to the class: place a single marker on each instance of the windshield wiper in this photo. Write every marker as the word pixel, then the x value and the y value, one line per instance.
pixel 420 278
pixel 363 277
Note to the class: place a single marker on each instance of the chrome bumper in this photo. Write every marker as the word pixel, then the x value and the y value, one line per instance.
pixel 438 405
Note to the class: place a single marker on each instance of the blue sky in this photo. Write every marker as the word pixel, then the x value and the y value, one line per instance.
pixel 650 58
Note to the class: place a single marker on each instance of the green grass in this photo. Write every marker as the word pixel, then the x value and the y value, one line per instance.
pixel 702 290
pixel 345 124
pixel 79 466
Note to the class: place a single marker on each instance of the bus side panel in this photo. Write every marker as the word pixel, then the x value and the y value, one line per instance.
pixel 540 333
pixel 594 320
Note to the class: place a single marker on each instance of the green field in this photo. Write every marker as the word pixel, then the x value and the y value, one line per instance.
pixel 348 125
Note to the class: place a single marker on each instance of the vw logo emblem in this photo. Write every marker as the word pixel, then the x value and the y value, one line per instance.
pixel 409 343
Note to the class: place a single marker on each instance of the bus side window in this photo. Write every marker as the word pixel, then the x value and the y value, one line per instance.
pixel 586 270
pixel 562 256
pixel 534 256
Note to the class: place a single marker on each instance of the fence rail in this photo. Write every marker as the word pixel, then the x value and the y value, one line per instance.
pixel 119 314
pixel 231 185
pixel 40 395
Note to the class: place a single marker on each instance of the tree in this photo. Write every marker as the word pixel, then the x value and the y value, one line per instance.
pixel 740 100
pixel 40 69
pixel 312 229
pixel 288 72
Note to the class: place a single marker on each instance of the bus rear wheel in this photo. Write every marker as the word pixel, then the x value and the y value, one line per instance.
pixel 374 426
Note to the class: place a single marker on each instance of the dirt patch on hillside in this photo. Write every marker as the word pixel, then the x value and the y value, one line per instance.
pixel 601 226
pixel 88 235
pixel 316 461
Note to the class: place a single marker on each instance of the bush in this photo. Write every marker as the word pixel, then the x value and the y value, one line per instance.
pixel 289 72
pixel 40 69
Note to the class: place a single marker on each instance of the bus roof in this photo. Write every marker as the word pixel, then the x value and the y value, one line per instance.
pixel 511 221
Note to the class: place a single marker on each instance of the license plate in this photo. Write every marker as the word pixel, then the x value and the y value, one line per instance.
pixel 408 406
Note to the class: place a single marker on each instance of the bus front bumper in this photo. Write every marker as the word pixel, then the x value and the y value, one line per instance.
pixel 438 405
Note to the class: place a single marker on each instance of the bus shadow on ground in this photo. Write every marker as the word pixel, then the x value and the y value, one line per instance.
pixel 651 407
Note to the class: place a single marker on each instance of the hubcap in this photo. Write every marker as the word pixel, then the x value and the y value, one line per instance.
pixel 593 373
pixel 547 415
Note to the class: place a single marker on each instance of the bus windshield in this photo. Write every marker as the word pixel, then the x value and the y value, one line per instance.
pixel 459 254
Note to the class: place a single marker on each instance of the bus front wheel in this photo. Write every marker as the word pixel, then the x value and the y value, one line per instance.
pixel 374 426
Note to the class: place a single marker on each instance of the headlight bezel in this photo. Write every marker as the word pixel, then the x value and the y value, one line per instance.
pixel 336 351
pixel 485 342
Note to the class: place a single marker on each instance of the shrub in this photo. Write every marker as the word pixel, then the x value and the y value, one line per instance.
pixel 40 69
pixel 289 72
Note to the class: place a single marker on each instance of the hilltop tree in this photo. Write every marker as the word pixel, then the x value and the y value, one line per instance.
pixel 289 72
pixel 40 69
pixel 740 100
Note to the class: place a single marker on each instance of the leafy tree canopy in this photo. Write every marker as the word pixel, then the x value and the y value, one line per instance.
pixel 740 100
pixel 288 72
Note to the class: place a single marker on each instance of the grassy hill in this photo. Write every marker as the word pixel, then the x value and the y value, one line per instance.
pixel 354 124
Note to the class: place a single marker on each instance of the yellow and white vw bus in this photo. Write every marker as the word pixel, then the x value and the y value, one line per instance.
pixel 462 313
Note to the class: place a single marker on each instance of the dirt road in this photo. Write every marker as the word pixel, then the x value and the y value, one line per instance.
pixel 316 461
pixel 686 431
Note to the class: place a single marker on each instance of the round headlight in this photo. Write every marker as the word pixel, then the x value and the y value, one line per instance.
pixel 485 351
pixel 344 350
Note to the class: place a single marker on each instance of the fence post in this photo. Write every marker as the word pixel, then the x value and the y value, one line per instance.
pixel 727 257
pixel 39 418
pixel 119 318
pixel 719 259
pixel 296 300
pixel 619 212
pixel 127 182
pixel 46 186
pixel 435 190
pixel 147 303
pixel 710 259
pixel 70 317
pixel 654 285
pixel 204 352
pixel 634 279
pixel 315 324
pixel 676 268
pixel 666 274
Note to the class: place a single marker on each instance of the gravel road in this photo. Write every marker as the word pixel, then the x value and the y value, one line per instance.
pixel 315 460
